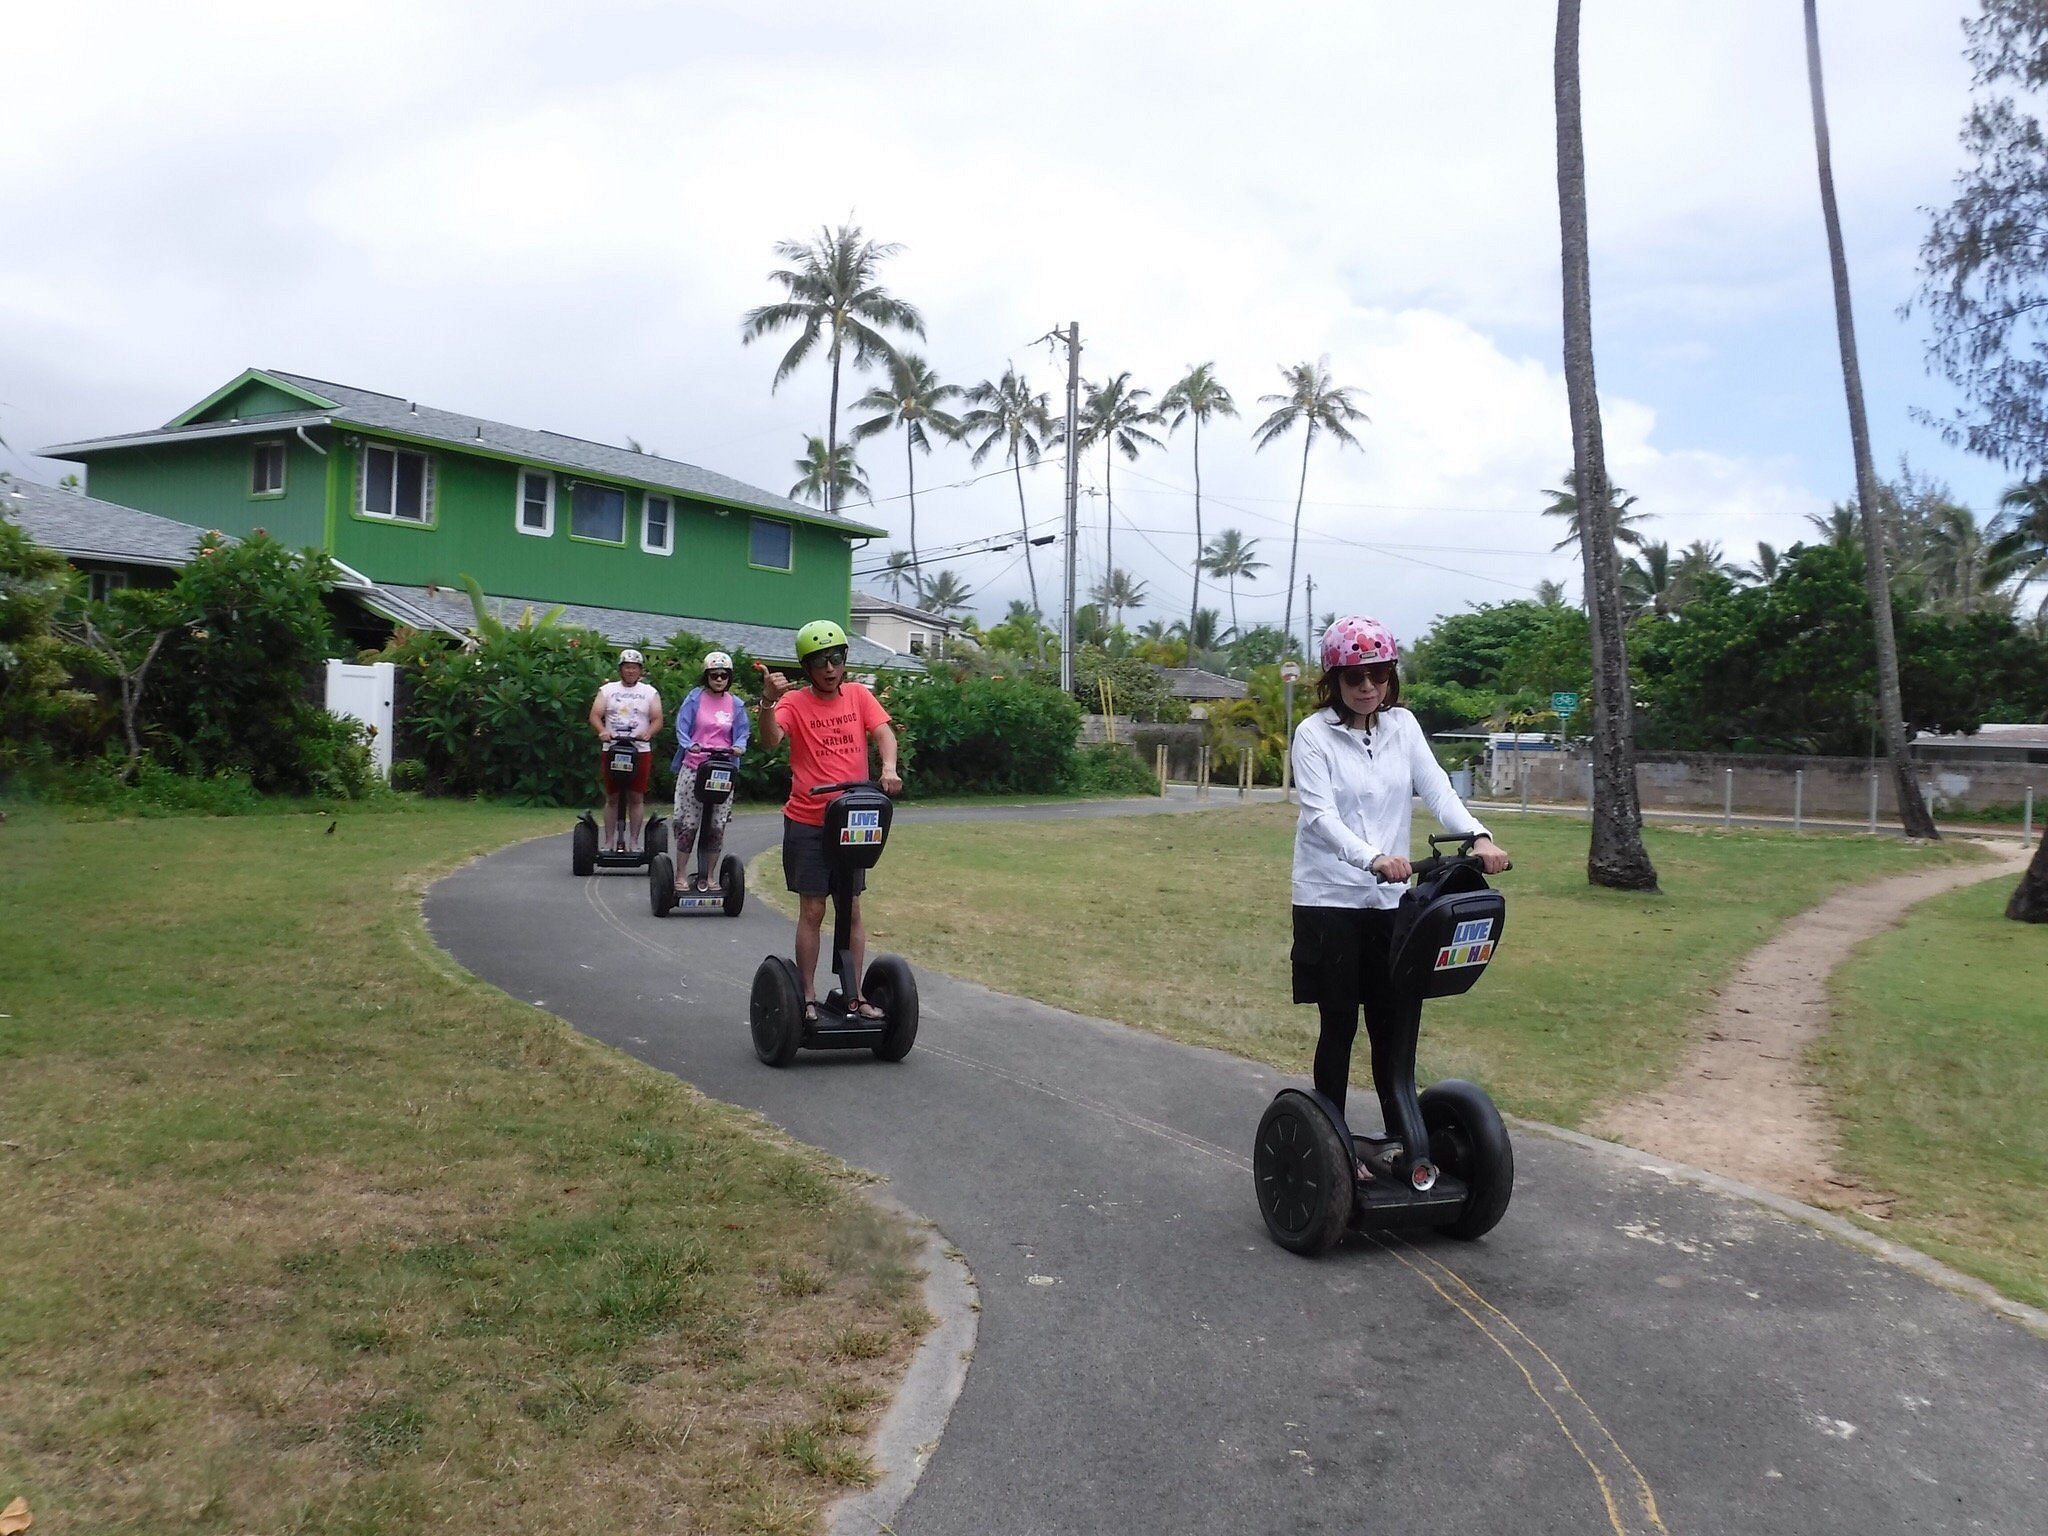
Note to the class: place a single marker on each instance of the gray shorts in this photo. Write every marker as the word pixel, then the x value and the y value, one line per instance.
pixel 803 861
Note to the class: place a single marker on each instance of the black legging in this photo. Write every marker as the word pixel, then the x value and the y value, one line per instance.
pixel 1341 965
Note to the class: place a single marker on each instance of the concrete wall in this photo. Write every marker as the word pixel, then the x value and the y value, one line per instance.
pixel 1833 787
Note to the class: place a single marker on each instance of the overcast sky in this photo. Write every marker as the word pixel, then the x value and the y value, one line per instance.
pixel 555 215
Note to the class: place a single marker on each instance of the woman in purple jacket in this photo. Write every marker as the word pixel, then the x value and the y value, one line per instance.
pixel 712 719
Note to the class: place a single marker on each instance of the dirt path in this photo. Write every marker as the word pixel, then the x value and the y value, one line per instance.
pixel 1744 1103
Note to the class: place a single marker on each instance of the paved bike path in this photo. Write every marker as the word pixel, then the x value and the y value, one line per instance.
pixel 1625 1353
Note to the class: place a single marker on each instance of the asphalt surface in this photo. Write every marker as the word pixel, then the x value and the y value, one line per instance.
pixel 1624 1353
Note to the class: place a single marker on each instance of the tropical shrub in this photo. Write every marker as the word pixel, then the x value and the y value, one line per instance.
pixel 1111 768
pixel 38 700
pixel 983 735
pixel 1136 687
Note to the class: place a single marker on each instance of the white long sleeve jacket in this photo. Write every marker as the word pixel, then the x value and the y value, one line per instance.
pixel 1356 792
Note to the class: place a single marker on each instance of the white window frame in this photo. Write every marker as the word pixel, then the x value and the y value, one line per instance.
pixel 101 585
pixel 919 641
pixel 267 493
pixel 547 528
pixel 647 546
pixel 427 478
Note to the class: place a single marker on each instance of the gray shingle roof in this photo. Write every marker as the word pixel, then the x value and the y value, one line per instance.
pixel 870 602
pixel 1194 683
pixel 85 528
pixel 625 626
pixel 366 408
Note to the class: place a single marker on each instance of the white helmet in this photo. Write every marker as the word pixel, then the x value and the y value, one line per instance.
pixel 718 661
pixel 629 654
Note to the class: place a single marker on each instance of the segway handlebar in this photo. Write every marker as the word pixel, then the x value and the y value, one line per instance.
pixel 833 789
pixel 1438 860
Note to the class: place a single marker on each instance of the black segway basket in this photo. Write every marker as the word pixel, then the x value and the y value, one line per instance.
pixel 1445 1160
pixel 856 833
pixel 621 762
pixel 717 777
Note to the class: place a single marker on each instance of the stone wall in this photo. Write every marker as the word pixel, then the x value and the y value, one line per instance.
pixel 1834 787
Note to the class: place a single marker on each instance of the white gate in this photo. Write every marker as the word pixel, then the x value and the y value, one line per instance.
pixel 366 693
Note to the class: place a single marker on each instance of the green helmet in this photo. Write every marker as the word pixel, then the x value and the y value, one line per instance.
pixel 818 635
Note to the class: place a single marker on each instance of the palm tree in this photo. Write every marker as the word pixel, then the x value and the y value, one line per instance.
pixel 913 401
pixel 1550 593
pixel 1006 412
pixel 944 594
pixel 1116 416
pixel 1877 582
pixel 1646 581
pixel 1969 563
pixel 901 567
pixel 1616 856
pixel 1564 503
pixel 1313 400
pixel 1701 559
pixel 1763 570
pixel 825 474
pixel 1203 634
pixel 1229 556
pixel 1197 396
pixel 2025 515
pixel 1841 528
pixel 832 286
pixel 1119 591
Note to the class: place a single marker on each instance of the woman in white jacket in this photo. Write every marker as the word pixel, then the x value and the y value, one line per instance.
pixel 1359 761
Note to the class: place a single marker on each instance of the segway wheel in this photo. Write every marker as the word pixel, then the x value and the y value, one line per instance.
pixel 891 987
pixel 583 848
pixel 655 839
pixel 732 879
pixel 1302 1174
pixel 776 1012
pixel 1468 1140
pixel 661 884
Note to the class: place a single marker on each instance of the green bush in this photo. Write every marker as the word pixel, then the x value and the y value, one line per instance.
pixel 38 701
pixel 1110 768
pixel 509 713
pixel 1136 687
pixel 984 735
pixel 408 775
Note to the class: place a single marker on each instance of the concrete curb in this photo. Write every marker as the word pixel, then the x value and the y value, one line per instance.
pixel 904 1441
pixel 1910 1259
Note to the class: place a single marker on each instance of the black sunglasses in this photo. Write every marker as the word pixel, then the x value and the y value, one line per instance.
pixel 1380 672
pixel 717 672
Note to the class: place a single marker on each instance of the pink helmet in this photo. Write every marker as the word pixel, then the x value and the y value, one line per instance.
pixel 1356 641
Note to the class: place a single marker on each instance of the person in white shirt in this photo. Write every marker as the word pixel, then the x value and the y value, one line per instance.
pixel 627 707
pixel 1359 761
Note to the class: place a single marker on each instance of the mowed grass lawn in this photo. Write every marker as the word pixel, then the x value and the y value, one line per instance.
pixel 1181 924
pixel 1937 1066
pixel 305 1230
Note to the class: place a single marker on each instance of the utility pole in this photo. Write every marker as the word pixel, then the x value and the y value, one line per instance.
pixel 1072 337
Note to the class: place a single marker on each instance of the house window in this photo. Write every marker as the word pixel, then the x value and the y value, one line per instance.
pixel 658 526
pixel 770 544
pixel 536 510
pixel 917 642
pixel 597 512
pixel 100 585
pixel 397 484
pixel 266 470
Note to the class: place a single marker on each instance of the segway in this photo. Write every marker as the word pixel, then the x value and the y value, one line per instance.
pixel 585 857
pixel 716 777
pixel 1444 1160
pixel 856 832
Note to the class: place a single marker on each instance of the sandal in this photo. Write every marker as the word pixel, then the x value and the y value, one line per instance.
pixel 810 1010
pixel 863 1009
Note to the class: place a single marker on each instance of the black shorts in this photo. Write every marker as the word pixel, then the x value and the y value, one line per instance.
pixel 1341 955
pixel 803 861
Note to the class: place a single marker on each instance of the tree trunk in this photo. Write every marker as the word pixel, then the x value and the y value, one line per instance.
pixel 1108 513
pixel 2029 902
pixel 832 432
pixel 1024 525
pixel 1294 545
pixel 1195 603
pixel 1617 857
pixel 1913 810
pixel 910 469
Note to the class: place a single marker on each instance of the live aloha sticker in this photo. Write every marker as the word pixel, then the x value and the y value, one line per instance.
pixel 719 778
pixel 861 827
pixel 1471 944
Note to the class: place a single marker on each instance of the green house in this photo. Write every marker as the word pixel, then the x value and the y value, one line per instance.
pixel 415 499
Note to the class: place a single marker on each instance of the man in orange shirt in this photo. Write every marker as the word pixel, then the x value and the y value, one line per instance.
pixel 829 724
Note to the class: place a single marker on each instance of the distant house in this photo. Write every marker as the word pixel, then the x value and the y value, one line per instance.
pixel 413 499
pixel 1199 687
pixel 904 629
pixel 2018 743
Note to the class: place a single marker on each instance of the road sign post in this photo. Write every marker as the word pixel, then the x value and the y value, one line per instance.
pixel 1290 673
